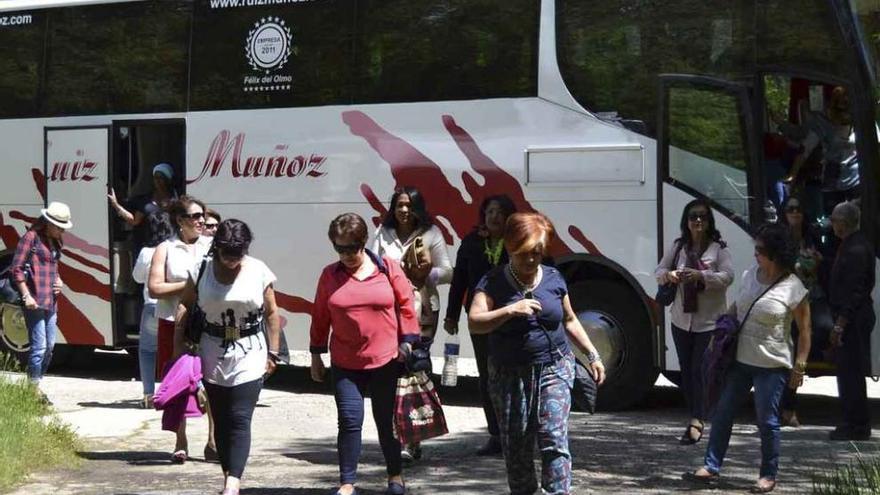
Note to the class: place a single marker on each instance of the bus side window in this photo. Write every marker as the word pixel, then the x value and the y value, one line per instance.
pixel 707 148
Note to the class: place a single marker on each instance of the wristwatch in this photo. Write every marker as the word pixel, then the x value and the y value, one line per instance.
pixel 592 357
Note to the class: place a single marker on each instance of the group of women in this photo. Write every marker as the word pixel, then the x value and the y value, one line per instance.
pixel 382 300
pixel 773 303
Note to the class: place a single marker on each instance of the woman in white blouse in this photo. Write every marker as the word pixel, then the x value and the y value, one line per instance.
pixel 406 224
pixel 174 261
pixel 700 265
pixel 237 296
pixel 770 296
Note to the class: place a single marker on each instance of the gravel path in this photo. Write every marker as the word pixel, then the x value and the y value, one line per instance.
pixel 125 451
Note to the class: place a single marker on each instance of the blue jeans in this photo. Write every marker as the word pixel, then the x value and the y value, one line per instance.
pixel 42 328
pixel 769 384
pixel 350 388
pixel 147 346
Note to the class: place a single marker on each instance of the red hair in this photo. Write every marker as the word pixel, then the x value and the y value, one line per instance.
pixel 526 231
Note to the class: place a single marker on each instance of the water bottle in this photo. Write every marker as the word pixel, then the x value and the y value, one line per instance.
pixel 450 363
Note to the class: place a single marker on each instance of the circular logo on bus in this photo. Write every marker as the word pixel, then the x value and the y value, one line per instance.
pixel 268 44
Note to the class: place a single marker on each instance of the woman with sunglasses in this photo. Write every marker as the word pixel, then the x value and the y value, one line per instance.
pixel 212 220
pixel 770 296
pixel 358 297
pixel 237 296
pixel 806 267
pixel 407 224
pixel 700 265
pixel 173 264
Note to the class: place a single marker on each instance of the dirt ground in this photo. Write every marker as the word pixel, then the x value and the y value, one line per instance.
pixel 294 435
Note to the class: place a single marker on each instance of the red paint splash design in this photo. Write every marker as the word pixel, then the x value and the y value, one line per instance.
pixel 410 167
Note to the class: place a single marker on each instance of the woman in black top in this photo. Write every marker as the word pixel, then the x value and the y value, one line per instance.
pixel 479 252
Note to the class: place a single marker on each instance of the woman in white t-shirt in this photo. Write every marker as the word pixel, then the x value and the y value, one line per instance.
pixel 764 352
pixel 159 230
pixel 237 296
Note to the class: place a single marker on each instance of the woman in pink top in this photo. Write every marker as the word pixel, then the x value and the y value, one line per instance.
pixel 358 297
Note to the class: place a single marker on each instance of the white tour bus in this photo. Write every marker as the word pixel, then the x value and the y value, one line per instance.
pixel 609 116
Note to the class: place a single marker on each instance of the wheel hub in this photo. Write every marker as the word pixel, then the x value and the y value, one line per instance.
pixel 14 329
pixel 607 335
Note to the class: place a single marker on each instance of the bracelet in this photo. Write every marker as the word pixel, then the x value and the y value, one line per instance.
pixel 800 367
pixel 593 357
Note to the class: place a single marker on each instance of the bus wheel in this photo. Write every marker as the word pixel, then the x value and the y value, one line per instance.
pixel 620 328
pixel 13 335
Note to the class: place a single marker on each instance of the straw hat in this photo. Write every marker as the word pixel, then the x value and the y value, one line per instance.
pixel 58 214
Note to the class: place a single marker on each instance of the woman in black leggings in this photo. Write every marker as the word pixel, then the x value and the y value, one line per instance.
pixel 236 294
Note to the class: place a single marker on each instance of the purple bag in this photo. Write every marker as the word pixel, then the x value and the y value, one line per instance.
pixel 720 354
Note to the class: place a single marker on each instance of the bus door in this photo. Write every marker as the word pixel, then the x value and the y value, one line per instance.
pixel 77 164
pixel 707 150
pixel 138 147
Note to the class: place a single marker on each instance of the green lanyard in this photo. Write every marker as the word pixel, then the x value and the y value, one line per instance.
pixel 493 254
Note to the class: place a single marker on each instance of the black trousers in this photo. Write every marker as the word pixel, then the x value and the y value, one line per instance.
pixel 853 364
pixel 481 353
pixel 233 408
pixel 690 347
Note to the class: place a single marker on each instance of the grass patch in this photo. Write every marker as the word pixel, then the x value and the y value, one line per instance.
pixel 860 477
pixel 31 438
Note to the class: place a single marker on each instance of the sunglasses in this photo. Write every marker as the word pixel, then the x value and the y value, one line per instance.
pixel 347 249
pixel 698 217
pixel 211 225
pixel 193 216
pixel 793 209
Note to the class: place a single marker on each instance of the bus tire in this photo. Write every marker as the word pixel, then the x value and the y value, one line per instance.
pixel 620 328
pixel 14 342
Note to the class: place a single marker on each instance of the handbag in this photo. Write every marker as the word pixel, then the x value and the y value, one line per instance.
pixel 8 288
pixel 196 320
pixel 666 292
pixel 720 353
pixel 418 413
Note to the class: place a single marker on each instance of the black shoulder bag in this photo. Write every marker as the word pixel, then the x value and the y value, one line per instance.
pixel 8 288
pixel 196 321
pixel 666 292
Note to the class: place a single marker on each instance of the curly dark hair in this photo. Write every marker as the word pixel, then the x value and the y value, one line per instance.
pixel 711 231
pixel 417 208
pixel 233 236
pixel 503 201
pixel 779 246
pixel 159 228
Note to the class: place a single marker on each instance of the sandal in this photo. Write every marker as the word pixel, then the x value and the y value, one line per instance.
pixel 178 457
pixel 687 439
pixel 763 485
pixel 693 477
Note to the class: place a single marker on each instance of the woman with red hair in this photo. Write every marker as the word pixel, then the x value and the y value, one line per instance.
pixel 524 308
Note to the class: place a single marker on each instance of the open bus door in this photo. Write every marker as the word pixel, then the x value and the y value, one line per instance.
pixel 77 165
pixel 706 149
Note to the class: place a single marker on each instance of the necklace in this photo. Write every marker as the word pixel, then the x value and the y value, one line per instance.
pixel 526 288
pixel 493 253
